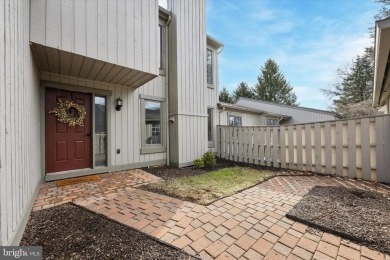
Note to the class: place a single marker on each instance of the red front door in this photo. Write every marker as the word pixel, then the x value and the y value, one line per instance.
pixel 67 148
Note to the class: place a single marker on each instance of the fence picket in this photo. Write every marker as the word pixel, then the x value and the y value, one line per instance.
pixel 256 145
pixel 250 144
pixel 268 146
pixel 291 148
pixel 339 148
pixel 308 148
pixel 328 148
pixel 380 156
pixel 366 148
pixel 351 148
pixel 282 150
pixel 299 148
pixel 235 144
pixel 275 146
pixel 318 147
pixel 262 145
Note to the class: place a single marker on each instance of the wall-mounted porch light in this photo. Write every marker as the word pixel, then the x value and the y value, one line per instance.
pixel 119 104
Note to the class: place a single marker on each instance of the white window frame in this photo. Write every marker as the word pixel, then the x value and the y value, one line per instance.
pixel 211 143
pixel 271 119
pixel 210 85
pixel 152 148
pixel 162 46
pixel 235 116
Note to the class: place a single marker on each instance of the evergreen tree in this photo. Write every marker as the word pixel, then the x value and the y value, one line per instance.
pixel 355 83
pixel 224 96
pixel 272 86
pixel 242 90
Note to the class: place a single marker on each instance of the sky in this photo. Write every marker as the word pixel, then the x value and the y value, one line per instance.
pixel 308 39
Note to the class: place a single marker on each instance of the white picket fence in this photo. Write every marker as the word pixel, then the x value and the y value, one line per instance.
pixel 354 148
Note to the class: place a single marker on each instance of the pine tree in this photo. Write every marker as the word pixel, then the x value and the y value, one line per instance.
pixel 224 96
pixel 242 90
pixel 272 86
pixel 355 83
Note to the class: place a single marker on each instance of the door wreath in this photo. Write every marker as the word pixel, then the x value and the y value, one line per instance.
pixel 62 113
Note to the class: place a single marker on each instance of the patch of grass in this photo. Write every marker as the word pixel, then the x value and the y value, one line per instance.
pixel 206 188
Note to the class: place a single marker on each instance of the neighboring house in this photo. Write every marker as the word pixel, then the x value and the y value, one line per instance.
pixel 279 114
pixel 146 77
pixel 235 115
pixel 381 91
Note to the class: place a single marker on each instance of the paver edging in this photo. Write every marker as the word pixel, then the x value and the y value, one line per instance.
pixel 335 232
pixel 146 234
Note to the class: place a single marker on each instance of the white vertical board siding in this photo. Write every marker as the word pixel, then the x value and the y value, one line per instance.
pixel 125 124
pixel 354 148
pixel 20 171
pixel 122 32
pixel 187 83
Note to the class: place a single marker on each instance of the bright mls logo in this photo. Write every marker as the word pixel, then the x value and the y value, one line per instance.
pixel 21 252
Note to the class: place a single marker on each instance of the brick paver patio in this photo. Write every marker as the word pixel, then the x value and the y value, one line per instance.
pixel 247 225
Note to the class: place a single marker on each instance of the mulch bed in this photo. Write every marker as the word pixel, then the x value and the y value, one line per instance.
pixel 359 215
pixel 169 172
pixel 71 232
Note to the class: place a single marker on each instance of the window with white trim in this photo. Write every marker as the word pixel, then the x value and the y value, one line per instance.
pixel 152 127
pixel 272 121
pixel 235 121
pixel 210 123
pixel 162 53
pixel 210 67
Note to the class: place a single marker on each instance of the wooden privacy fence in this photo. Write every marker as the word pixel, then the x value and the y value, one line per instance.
pixel 354 148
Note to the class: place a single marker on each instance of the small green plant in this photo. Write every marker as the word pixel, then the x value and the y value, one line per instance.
pixel 199 163
pixel 209 159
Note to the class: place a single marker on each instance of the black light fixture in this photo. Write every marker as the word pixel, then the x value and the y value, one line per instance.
pixel 119 104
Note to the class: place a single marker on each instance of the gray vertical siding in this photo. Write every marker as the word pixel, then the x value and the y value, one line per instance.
pixel 116 31
pixel 298 115
pixel 20 171
pixel 187 81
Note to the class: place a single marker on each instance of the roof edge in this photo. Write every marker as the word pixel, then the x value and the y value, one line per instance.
pixel 290 106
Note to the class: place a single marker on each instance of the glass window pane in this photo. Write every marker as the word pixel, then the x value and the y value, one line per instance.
pixel 209 124
pixel 100 131
pixel 153 122
pixel 209 66
pixel 234 120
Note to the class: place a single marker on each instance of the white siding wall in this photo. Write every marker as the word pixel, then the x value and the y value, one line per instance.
pixel 187 87
pixel 122 32
pixel 247 118
pixel 20 171
pixel 125 124
pixel 298 115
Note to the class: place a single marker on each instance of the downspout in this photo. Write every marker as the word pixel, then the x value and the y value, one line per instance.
pixel 167 88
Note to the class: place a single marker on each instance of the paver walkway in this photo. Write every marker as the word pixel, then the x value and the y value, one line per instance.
pixel 247 225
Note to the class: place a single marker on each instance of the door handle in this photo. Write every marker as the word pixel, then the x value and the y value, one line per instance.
pixel 88 134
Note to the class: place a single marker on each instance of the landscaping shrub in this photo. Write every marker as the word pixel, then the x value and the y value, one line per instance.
pixel 199 163
pixel 209 159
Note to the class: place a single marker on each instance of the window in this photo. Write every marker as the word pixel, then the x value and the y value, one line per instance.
pixel 162 47
pixel 210 122
pixel 210 79
pixel 235 121
pixel 152 125
pixel 272 121
pixel 100 131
